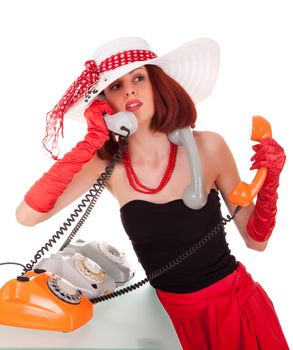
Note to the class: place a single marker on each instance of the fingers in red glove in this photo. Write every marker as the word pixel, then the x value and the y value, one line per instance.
pixel 268 154
pixel 94 115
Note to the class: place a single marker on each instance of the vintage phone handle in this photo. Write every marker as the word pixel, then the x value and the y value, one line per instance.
pixel 194 196
pixel 244 193
pixel 114 122
pixel 121 120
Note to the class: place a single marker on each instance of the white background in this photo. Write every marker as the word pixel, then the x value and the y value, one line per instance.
pixel 44 45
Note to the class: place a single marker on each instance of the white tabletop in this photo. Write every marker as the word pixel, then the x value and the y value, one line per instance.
pixel 133 321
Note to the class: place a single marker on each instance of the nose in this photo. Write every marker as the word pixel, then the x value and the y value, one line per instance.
pixel 129 91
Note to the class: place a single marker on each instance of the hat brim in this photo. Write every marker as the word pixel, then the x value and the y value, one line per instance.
pixel 194 66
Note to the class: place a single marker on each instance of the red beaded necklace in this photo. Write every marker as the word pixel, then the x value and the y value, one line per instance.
pixel 133 179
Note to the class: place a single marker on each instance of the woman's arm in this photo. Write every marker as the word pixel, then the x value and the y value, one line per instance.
pixel 70 176
pixel 80 184
pixel 226 178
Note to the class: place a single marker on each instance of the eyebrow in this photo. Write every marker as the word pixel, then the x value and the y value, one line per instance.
pixel 131 72
pixel 134 70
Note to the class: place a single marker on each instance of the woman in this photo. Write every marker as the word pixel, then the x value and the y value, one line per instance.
pixel 211 299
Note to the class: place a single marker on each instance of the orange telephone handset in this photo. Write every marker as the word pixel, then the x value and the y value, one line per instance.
pixel 244 193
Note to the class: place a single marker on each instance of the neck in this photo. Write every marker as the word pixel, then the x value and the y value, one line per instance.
pixel 147 146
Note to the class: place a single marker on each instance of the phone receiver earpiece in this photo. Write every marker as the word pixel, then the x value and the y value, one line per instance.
pixel 118 120
pixel 194 196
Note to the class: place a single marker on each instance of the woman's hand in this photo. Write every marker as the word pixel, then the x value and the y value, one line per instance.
pixel 94 115
pixel 269 154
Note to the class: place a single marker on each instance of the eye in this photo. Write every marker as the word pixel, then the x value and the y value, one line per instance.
pixel 139 77
pixel 115 86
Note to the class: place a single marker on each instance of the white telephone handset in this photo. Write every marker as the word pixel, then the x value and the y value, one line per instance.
pixel 194 196
pixel 114 122
pixel 118 121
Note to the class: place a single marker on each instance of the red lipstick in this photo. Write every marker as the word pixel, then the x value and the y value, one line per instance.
pixel 133 105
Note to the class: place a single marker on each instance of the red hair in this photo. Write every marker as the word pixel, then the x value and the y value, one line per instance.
pixel 174 108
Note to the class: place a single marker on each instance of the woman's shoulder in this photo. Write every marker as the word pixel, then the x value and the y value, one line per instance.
pixel 213 147
pixel 206 134
pixel 209 140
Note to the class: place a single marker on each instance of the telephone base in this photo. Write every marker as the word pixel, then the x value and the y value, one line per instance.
pixel 29 302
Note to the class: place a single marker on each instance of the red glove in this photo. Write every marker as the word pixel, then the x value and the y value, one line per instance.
pixel 270 155
pixel 44 193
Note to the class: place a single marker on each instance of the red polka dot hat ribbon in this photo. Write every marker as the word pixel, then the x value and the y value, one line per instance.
pixel 82 86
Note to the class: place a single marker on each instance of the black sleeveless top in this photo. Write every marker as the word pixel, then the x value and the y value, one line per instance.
pixel 161 232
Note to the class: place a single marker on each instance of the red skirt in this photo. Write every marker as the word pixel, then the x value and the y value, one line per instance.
pixel 234 313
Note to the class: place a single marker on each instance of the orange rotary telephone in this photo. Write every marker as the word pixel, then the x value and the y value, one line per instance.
pixel 27 302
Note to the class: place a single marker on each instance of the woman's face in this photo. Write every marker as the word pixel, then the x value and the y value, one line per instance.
pixel 132 92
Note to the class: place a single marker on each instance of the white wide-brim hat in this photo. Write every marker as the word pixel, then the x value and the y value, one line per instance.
pixel 194 66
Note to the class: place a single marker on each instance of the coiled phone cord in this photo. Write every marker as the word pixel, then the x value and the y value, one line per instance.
pixel 91 197
pixel 173 263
